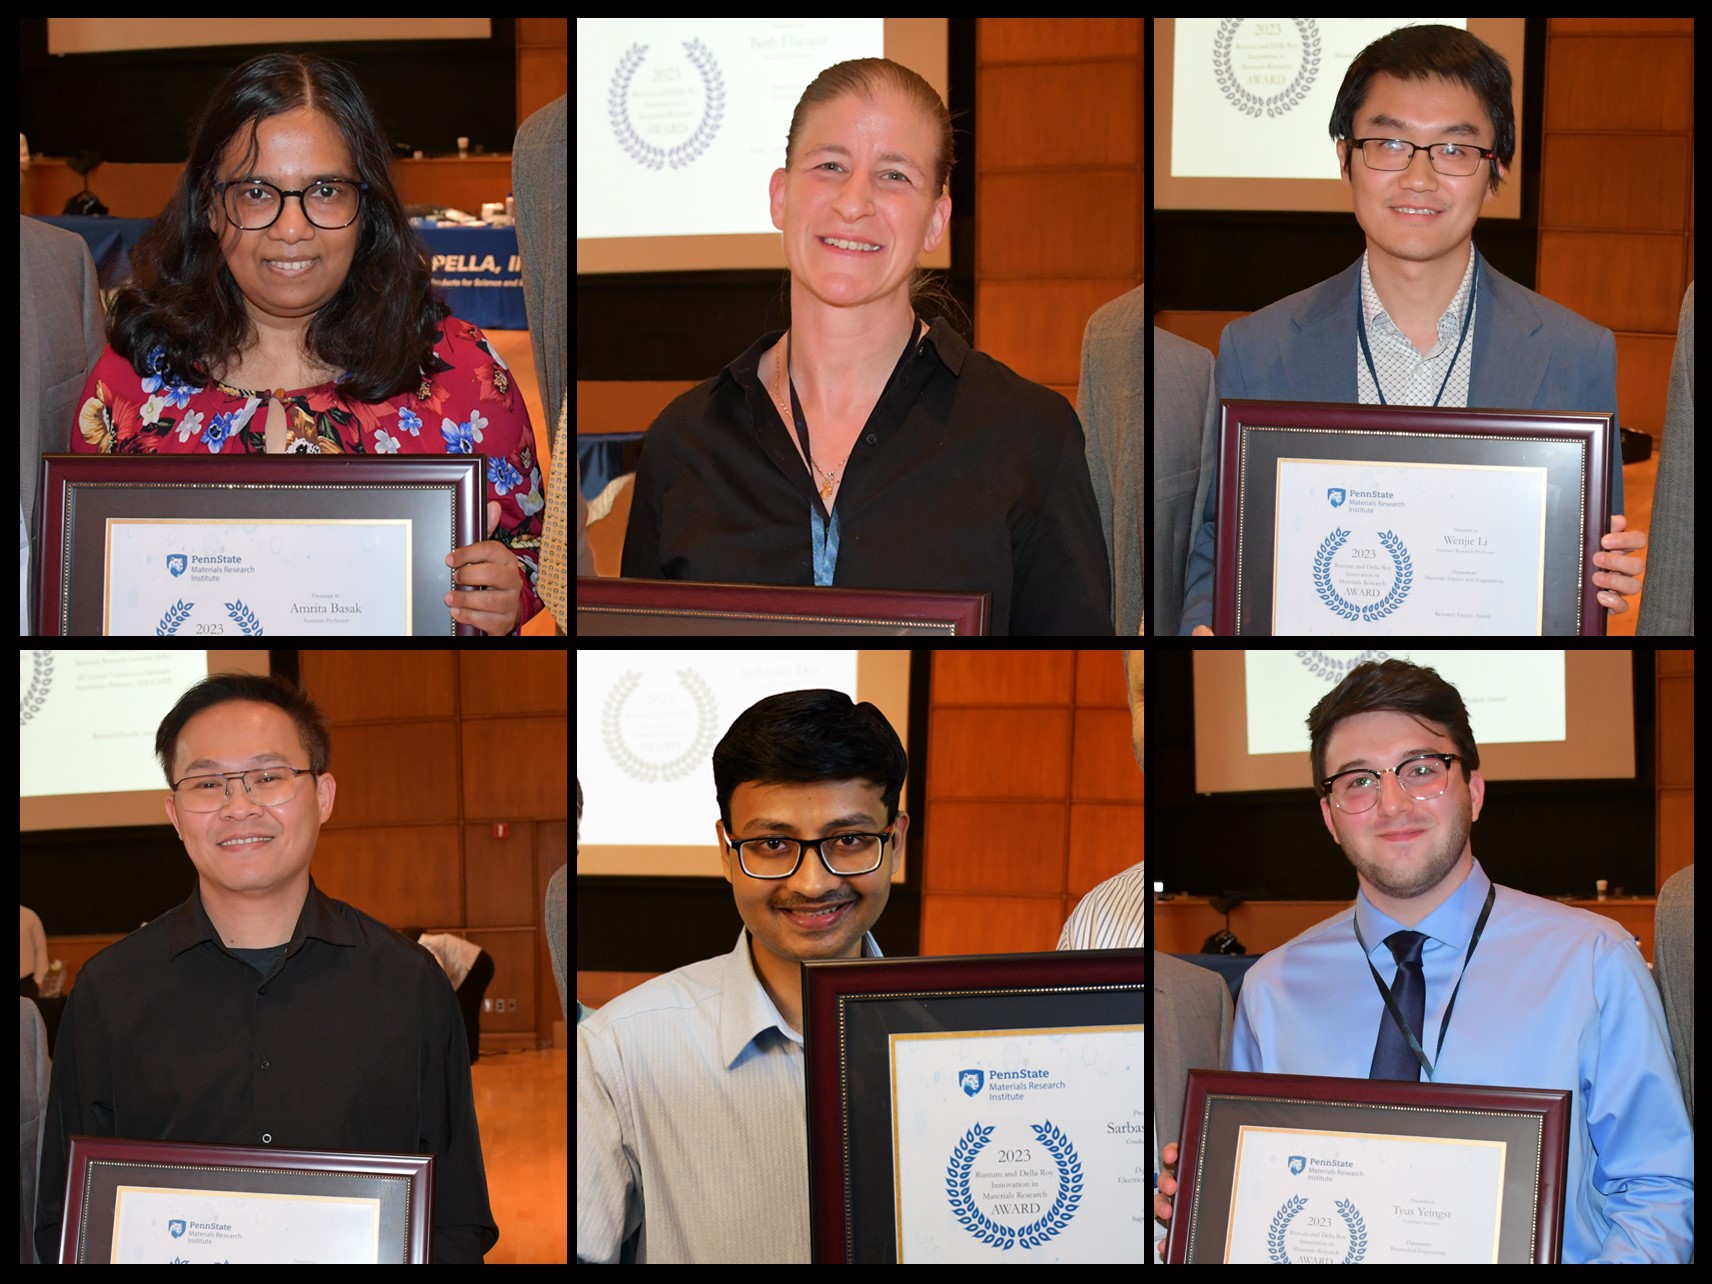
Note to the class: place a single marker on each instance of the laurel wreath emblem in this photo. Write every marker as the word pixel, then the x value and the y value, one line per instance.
pixel 174 619
pixel 1286 1214
pixel 244 618
pixel 631 762
pixel 1332 669
pixel 1342 607
pixel 639 149
pixel 35 692
pixel 996 1233
pixel 1279 104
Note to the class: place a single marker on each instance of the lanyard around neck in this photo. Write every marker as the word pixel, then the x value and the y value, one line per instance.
pixel 823 528
pixel 1467 316
pixel 1391 1003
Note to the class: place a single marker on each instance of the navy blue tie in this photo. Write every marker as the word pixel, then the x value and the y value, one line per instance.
pixel 1392 1057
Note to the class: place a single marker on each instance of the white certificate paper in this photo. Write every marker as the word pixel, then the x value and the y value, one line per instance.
pixel 1300 1195
pixel 1020 1146
pixel 156 1224
pixel 1408 548
pixel 219 577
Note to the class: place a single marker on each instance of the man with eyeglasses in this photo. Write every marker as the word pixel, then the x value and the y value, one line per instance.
pixel 1425 132
pixel 691 1140
pixel 1544 995
pixel 262 1012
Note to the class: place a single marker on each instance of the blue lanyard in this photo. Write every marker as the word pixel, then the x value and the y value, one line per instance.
pixel 825 544
pixel 1467 316
pixel 825 529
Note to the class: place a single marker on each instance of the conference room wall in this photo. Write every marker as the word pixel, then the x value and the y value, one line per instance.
pixel 484 739
pixel 1033 795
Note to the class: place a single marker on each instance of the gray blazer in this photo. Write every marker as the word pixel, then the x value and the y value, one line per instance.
pixel 1673 969
pixel 61 330
pixel 1529 353
pixel 1191 1031
pixel 1185 450
pixel 1667 599
pixel 1110 403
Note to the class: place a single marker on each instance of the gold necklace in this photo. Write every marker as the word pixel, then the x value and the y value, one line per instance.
pixel 779 365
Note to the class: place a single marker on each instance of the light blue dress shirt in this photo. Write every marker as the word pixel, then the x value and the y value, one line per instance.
pixel 1554 997
pixel 690 1120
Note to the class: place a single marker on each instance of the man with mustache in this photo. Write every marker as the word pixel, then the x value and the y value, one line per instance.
pixel 691 1137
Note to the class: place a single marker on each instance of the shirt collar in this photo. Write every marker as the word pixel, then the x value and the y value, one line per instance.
pixel 1450 322
pixel 746 1010
pixel 1452 922
pixel 951 347
pixel 321 917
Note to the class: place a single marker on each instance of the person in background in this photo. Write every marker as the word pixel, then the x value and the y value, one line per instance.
pixel 468 967
pixel 538 179
pixel 59 339
pixel 32 953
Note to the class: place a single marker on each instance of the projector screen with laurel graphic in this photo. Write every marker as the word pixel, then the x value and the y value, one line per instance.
pixel 646 728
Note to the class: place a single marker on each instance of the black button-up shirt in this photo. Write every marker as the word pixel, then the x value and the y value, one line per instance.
pixel 352 1041
pixel 967 477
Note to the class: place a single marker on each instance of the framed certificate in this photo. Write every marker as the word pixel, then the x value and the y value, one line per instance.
pixel 158 1201
pixel 977 1109
pixel 1292 1168
pixel 683 608
pixel 1376 520
pixel 197 546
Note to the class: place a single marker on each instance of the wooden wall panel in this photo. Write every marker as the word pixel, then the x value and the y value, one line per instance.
pixel 1674 685
pixel 429 749
pixel 1059 185
pixel 1617 184
pixel 1034 795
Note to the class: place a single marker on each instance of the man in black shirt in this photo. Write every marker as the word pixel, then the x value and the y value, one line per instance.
pixel 261 1012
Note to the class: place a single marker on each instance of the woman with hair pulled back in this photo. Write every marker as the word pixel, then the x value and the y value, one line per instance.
pixel 282 305
pixel 865 446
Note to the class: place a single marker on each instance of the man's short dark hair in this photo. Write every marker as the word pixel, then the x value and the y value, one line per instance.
pixel 1415 53
pixel 801 737
pixel 1395 686
pixel 222 688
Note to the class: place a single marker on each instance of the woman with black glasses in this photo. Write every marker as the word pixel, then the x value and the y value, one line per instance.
pixel 282 304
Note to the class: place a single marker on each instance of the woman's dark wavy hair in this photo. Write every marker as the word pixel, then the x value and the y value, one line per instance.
pixel 379 329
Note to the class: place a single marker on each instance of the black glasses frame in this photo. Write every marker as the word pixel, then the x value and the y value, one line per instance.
pixel 1434 155
pixel 803 844
pixel 240 777
pixel 1395 772
pixel 220 194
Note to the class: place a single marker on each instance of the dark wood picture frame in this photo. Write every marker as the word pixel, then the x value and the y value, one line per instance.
pixel 1218 1102
pixel 100 1165
pixel 1575 448
pixel 851 1006
pixel 682 608
pixel 443 496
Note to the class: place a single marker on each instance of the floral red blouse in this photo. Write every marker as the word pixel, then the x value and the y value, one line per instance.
pixel 466 404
